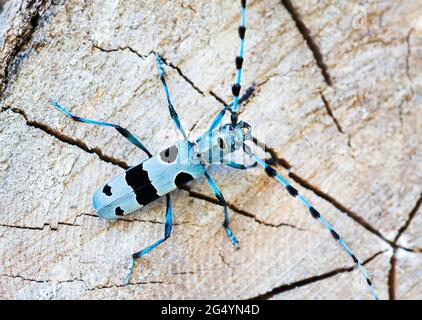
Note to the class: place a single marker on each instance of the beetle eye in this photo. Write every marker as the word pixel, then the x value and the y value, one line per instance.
pixel 220 143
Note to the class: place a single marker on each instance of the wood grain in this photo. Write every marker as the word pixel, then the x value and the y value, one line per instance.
pixel 337 104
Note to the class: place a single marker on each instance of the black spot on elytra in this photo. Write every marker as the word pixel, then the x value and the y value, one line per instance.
pixel 107 190
pixel 293 192
pixel 314 212
pixel 182 178
pixel 119 211
pixel 169 155
pixel 137 178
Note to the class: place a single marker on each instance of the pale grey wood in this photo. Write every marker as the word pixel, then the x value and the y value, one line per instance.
pixel 340 102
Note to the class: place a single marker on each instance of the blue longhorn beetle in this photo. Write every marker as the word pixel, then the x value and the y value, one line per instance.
pixel 158 175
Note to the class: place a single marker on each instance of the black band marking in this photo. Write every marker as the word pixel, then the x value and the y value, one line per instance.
pixel 242 31
pixel 293 192
pixel 173 112
pixel 122 131
pixel 169 155
pixel 236 89
pixel 234 118
pixel 243 2
pixel 239 63
pixel 355 260
pixel 314 213
pixel 137 178
pixel 270 171
pixel 335 235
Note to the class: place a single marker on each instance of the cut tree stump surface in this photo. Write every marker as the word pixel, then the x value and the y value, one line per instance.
pixel 338 104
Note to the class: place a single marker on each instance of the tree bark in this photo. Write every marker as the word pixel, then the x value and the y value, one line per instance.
pixel 337 106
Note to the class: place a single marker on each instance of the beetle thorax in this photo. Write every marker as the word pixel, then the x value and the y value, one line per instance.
pixel 213 146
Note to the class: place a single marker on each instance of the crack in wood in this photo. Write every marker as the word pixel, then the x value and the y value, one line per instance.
pixel 143 57
pixel 411 216
pixel 223 259
pixel 393 260
pixel 274 158
pixel 412 250
pixel 34 10
pixel 124 48
pixel 142 220
pixel 187 79
pixel 306 34
pixel 69 140
pixel 43 281
pixel 219 99
pixel 82 281
pixel 330 113
pixel 408 55
pixel 304 282
pixel 24 279
pixel 45 225
pixel 237 210
pixel 60 223
pixel 49 225
pixel 130 284
pixel 351 214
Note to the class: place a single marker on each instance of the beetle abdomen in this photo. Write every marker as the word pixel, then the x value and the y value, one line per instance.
pixel 147 181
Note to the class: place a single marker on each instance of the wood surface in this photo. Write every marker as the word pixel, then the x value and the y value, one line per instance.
pixel 337 108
